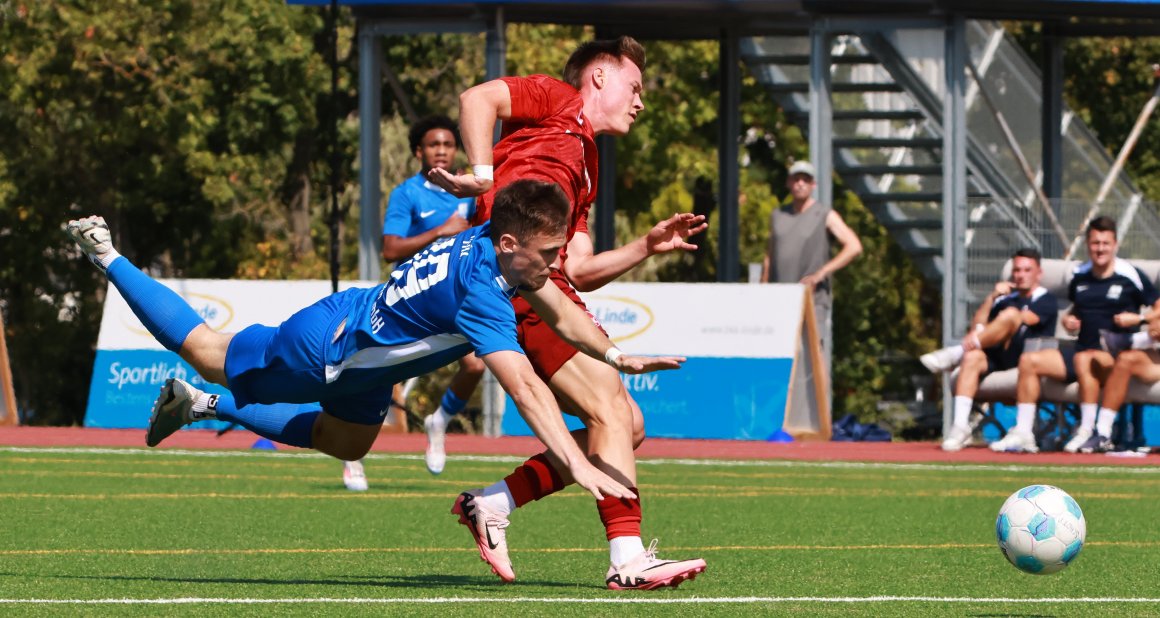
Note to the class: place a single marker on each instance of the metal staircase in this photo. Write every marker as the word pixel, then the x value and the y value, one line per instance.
pixel 887 138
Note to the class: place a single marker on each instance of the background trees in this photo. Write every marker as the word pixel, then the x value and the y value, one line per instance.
pixel 198 129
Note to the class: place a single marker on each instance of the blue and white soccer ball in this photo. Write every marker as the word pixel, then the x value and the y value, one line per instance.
pixel 1040 529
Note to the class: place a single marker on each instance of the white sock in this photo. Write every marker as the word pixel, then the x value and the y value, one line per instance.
pixel 956 352
pixel 624 548
pixel 1142 341
pixel 1087 415
pixel 500 498
pixel 1024 417
pixel 441 418
pixel 1104 424
pixel 963 407
pixel 204 407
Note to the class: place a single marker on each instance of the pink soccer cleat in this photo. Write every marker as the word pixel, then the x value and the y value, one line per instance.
pixel 487 527
pixel 647 572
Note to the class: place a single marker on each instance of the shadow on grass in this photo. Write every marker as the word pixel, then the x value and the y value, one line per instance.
pixel 460 582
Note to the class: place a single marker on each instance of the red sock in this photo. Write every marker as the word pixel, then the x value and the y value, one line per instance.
pixel 621 516
pixel 534 479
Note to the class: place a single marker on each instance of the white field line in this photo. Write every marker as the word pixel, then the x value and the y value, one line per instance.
pixel 736 463
pixel 565 600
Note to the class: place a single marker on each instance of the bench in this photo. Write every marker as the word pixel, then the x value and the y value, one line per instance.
pixel 1058 399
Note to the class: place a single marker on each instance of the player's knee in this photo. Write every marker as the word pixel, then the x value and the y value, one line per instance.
pixel 472 365
pixel 1134 359
pixel 974 360
pixel 1028 364
pixel 1010 315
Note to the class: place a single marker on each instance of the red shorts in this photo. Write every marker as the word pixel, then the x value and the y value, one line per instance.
pixel 545 349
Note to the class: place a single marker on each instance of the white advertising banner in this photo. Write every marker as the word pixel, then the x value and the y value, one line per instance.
pixel 741 341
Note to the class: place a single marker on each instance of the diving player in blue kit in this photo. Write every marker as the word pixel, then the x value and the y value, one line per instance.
pixel 322 378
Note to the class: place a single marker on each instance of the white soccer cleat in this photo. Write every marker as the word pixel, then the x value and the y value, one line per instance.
pixel 171 411
pixel 488 530
pixel 436 455
pixel 1016 442
pixel 939 360
pixel 958 438
pixel 1082 435
pixel 353 476
pixel 92 235
pixel 647 572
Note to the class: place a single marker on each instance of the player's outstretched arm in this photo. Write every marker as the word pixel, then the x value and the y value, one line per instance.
pixel 479 109
pixel 576 327
pixel 589 271
pixel 539 408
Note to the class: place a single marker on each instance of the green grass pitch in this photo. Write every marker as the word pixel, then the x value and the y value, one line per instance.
pixel 147 533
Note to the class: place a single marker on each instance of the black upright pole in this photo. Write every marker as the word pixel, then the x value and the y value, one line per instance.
pixel 332 148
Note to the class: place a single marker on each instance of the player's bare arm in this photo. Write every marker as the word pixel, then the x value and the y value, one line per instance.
pixel 588 271
pixel 573 325
pixel 397 248
pixel 537 405
pixel 479 109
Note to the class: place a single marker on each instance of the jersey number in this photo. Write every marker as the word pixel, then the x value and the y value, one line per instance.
pixel 408 282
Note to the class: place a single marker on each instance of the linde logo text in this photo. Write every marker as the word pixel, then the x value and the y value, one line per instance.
pixel 622 318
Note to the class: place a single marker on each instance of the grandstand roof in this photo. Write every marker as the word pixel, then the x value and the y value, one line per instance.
pixel 705 18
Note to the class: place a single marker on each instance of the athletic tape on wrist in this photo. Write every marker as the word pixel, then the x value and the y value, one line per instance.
pixel 612 354
pixel 483 171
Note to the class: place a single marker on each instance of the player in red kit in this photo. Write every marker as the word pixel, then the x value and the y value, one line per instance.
pixel 549 130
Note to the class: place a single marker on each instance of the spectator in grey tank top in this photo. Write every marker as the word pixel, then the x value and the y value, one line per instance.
pixel 798 250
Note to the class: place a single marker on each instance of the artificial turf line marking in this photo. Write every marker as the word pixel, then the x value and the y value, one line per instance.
pixel 542 550
pixel 563 600
pixel 1144 468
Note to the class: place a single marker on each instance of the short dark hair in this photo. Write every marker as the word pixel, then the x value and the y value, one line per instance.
pixel 1101 224
pixel 617 49
pixel 429 123
pixel 528 207
pixel 1028 252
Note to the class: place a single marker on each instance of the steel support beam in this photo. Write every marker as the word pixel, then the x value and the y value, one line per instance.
pixel 370 111
pixel 954 201
pixel 1052 113
pixel 821 112
pixel 728 112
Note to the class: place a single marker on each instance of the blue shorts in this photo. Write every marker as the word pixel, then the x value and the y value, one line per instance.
pixel 1068 354
pixel 287 364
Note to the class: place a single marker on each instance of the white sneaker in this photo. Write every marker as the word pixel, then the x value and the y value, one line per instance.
pixel 1082 434
pixel 940 360
pixel 958 437
pixel 1016 442
pixel 436 455
pixel 92 235
pixel 353 475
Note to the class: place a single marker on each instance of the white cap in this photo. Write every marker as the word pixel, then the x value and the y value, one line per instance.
pixel 802 167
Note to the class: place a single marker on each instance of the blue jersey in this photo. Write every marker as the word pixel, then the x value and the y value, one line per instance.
pixel 1042 304
pixel 446 301
pixel 347 349
pixel 417 206
pixel 1097 301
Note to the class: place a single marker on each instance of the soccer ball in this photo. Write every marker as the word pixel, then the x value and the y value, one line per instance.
pixel 1040 529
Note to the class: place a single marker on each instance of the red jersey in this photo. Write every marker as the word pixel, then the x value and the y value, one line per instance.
pixel 547 138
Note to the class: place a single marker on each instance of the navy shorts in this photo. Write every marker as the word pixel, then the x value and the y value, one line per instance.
pixel 1068 354
pixel 287 364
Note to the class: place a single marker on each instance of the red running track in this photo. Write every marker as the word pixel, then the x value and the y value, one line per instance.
pixel 525 446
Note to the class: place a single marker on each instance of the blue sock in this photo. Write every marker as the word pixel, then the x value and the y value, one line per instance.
pixel 288 423
pixel 451 403
pixel 164 312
